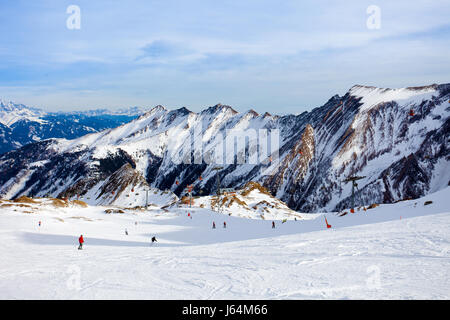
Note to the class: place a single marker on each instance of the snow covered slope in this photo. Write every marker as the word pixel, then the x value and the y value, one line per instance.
pixel 394 251
pixel 398 139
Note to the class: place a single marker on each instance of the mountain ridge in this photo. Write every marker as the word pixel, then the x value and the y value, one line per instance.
pixel 368 131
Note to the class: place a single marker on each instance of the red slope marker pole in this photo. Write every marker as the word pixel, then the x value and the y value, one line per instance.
pixel 328 226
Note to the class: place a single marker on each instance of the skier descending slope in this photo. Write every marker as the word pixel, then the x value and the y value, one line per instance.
pixel 214 225
pixel 81 241
pixel 154 239
pixel 126 232
pixel 273 224
pixel 224 224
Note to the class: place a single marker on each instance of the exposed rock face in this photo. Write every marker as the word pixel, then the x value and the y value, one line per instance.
pixel 252 201
pixel 368 132
pixel 294 167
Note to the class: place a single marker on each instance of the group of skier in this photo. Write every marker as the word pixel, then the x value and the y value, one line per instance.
pixel 225 225
pixel 214 225
pixel 81 240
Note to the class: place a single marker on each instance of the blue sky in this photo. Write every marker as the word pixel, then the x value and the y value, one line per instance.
pixel 275 56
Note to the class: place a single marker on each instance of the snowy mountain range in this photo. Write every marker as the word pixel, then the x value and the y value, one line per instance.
pixel 396 139
pixel 20 125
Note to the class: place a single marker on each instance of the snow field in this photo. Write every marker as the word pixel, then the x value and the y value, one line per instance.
pixel 398 251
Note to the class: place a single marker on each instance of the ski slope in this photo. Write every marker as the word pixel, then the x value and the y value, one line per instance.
pixel 398 251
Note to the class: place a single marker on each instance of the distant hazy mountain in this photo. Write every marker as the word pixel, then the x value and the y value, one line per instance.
pixel 20 125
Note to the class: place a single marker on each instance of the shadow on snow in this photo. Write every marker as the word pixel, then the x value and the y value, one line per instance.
pixel 58 239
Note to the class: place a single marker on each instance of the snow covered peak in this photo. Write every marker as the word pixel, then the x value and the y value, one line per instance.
pixel 361 86
pixel 6 105
pixel 131 111
pixel 10 113
pixel 372 96
pixel 158 108
pixel 363 90
pixel 181 111
pixel 253 113
pixel 11 106
pixel 153 111
pixel 219 108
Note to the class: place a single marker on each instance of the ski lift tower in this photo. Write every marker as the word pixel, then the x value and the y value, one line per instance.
pixel 217 178
pixel 354 185
pixel 218 185
pixel 188 192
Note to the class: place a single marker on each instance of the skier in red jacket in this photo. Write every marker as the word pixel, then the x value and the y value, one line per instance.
pixel 81 241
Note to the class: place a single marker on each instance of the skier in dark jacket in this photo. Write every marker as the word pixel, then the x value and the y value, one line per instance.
pixel 81 241
pixel 273 224
pixel 154 239
pixel 224 224
pixel 214 225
